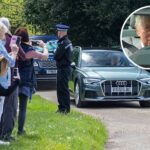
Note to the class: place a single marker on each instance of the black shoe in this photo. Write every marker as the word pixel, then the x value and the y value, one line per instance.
pixel 1 138
pixel 19 133
pixel 67 111
pixel 10 139
pixel 60 111
pixel 63 111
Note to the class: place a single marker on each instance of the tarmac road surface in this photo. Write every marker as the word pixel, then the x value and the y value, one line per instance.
pixel 128 124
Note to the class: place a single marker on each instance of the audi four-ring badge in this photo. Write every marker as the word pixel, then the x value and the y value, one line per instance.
pixel 107 75
pixel 119 83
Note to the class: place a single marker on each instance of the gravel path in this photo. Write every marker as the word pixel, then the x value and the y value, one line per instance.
pixel 128 124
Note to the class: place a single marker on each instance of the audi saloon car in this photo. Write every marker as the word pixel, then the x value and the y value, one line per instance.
pixel 107 75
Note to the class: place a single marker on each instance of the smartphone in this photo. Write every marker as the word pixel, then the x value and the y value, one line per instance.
pixel 15 40
pixel 18 41
pixel 35 43
pixel 15 72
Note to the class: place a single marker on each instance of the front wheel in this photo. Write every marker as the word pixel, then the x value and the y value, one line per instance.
pixel 144 103
pixel 78 101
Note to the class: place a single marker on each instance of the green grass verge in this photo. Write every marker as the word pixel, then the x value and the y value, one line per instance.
pixel 47 130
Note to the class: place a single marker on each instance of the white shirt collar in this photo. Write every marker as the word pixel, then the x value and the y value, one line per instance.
pixel 142 45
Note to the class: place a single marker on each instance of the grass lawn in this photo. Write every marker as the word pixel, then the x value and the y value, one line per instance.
pixel 47 130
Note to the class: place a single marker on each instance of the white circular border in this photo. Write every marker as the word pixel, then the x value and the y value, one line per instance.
pixel 122 32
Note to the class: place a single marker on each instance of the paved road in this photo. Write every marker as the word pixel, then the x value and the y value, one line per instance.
pixel 128 124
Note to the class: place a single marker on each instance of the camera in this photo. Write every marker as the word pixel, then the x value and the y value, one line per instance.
pixel 35 43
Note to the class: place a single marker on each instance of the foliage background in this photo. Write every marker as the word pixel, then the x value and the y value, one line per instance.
pixel 14 10
pixel 92 22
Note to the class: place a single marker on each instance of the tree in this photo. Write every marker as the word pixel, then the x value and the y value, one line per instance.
pixel 12 9
pixel 92 22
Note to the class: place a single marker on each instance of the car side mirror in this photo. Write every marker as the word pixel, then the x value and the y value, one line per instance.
pixel 73 65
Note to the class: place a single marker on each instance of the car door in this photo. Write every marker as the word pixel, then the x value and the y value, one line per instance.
pixel 75 63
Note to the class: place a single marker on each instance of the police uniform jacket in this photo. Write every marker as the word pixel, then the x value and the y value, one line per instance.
pixel 63 54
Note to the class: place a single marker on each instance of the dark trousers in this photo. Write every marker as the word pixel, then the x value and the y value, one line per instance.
pixel 9 114
pixel 63 93
pixel 22 111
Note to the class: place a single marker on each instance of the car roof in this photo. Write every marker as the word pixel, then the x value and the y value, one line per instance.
pixel 96 50
pixel 102 49
pixel 43 36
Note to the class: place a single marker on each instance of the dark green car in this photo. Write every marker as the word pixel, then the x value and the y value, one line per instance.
pixel 107 75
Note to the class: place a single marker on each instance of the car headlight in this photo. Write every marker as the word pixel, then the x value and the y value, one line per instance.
pixel 90 80
pixel 35 64
pixel 146 80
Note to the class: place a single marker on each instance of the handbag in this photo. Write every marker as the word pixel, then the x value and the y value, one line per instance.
pixel 3 65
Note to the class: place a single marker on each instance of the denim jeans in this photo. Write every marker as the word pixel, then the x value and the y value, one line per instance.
pixel 23 99
pixel 8 117
pixel 1 105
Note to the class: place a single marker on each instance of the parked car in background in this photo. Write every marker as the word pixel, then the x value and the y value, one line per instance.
pixel 107 75
pixel 45 70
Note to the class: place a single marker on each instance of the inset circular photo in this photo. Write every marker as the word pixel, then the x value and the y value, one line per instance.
pixel 135 37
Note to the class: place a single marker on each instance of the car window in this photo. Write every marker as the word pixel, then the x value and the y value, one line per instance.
pixel 129 30
pixel 104 59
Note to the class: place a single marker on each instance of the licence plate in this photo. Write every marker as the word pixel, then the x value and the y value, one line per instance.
pixel 121 89
pixel 51 71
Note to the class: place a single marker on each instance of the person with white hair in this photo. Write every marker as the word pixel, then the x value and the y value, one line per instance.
pixel 11 101
pixel 6 22
pixel 136 44
pixel 10 58
pixel 142 27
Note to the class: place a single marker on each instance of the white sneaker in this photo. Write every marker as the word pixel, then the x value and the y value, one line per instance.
pixel 4 143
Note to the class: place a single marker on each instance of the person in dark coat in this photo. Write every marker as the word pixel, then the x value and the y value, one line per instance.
pixel 27 75
pixel 63 57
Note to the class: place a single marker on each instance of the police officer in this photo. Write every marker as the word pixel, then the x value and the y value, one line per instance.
pixel 63 57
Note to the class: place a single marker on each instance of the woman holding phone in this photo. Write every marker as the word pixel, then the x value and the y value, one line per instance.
pixel 27 75
pixel 11 100
pixel 5 79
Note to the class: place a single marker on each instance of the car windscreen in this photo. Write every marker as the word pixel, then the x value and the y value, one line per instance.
pixel 104 59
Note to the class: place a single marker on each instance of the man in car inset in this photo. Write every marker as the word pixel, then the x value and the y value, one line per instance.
pixel 63 57
pixel 136 48
pixel 140 21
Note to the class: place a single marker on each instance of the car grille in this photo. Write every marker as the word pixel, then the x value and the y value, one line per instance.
pixel 45 77
pixel 47 64
pixel 134 86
